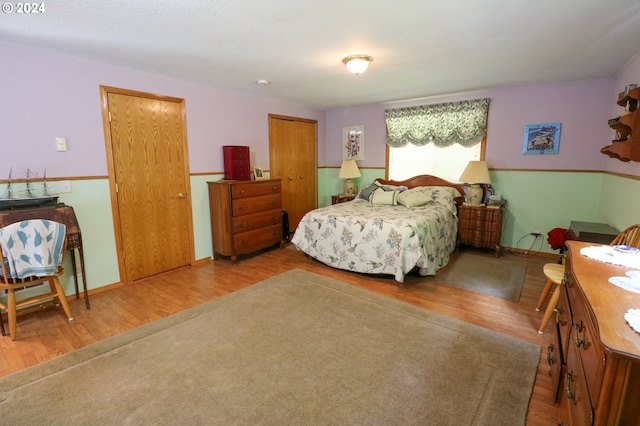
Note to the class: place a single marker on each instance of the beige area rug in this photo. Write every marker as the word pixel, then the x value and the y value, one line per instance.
pixel 298 349
pixel 486 275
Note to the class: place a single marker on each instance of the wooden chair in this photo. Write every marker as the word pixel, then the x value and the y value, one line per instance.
pixel 43 236
pixel 554 273
pixel 628 237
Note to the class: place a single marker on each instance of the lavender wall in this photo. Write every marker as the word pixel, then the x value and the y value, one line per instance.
pixel 542 191
pixel 582 107
pixel 46 95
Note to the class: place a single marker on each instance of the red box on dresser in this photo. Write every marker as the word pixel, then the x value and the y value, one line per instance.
pixel 236 162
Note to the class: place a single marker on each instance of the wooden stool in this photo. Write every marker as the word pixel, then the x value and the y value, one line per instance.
pixel 554 273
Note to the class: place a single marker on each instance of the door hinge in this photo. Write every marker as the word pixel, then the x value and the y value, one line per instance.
pixel 109 116
pixel 116 187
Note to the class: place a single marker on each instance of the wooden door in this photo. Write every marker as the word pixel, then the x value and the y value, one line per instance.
pixel 293 158
pixel 149 176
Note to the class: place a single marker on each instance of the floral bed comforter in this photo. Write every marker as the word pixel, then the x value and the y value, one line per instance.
pixel 380 239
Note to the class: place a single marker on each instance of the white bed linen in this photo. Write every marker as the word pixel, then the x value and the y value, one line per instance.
pixel 380 239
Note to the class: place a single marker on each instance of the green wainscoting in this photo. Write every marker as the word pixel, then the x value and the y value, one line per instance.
pixel 536 201
pixel 619 201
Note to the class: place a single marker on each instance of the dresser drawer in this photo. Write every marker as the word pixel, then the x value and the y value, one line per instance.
pixel 246 190
pixel 574 397
pixel 244 206
pixel 584 340
pixel 257 220
pixel 248 242
pixel 246 216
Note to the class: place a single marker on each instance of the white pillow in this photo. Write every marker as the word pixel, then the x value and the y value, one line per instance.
pixel 382 197
pixel 412 198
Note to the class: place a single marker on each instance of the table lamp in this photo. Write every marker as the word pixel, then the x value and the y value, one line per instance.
pixel 349 170
pixel 474 174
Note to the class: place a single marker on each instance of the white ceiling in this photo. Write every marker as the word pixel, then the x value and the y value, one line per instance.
pixel 420 47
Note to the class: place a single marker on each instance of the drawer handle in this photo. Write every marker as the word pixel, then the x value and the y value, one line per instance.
pixel 275 188
pixel 570 395
pixel 243 225
pixel 243 242
pixel 559 312
pixel 275 203
pixel 551 350
pixel 576 336
pixel 242 208
pixel 275 218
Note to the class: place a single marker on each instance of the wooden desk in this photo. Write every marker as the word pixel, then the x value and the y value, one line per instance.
pixel 58 213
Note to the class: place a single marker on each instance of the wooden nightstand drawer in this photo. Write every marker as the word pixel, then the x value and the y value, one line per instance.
pixel 341 198
pixel 480 226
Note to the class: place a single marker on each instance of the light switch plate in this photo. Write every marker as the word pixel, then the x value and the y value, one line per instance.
pixel 65 186
pixel 61 144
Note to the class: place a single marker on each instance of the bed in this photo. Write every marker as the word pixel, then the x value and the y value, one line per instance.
pixel 391 227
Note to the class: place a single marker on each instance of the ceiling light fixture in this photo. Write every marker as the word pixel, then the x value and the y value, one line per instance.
pixel 262 82
pixel 357 64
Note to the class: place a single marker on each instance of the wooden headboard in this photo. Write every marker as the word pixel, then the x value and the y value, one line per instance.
pixel 426 180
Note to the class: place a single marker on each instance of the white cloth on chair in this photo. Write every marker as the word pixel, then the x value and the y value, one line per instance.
pixel 33 247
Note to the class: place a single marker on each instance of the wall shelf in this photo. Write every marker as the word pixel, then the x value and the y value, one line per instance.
pixel 626 145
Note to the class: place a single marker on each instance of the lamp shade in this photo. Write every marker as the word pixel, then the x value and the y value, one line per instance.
pixel 349 169
pixel 476 172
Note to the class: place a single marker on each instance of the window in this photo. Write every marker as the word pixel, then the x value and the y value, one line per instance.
pixel 437 139
pixel 447 163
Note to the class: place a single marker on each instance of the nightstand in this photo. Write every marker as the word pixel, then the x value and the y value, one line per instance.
pixel 480 226
pixel 341 198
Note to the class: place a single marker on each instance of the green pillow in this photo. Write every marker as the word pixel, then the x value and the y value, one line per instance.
pixel 366 191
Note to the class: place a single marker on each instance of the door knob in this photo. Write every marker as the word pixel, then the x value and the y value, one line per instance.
pixel 181 195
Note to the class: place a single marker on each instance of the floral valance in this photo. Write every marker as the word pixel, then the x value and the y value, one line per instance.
pixel 443 125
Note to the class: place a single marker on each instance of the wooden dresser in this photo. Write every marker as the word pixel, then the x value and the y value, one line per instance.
pixel 480 226
pixel 595 358
pixel 246 216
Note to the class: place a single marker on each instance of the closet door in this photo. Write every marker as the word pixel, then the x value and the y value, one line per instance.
pixel 293 158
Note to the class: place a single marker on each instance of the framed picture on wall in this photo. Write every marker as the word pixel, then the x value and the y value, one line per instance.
pixel 353 143
pixel 541 138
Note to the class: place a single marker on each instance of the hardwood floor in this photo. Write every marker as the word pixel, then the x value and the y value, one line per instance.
pixel 46 334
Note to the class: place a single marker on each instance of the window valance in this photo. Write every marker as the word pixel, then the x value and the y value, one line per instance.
pixel 443 125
